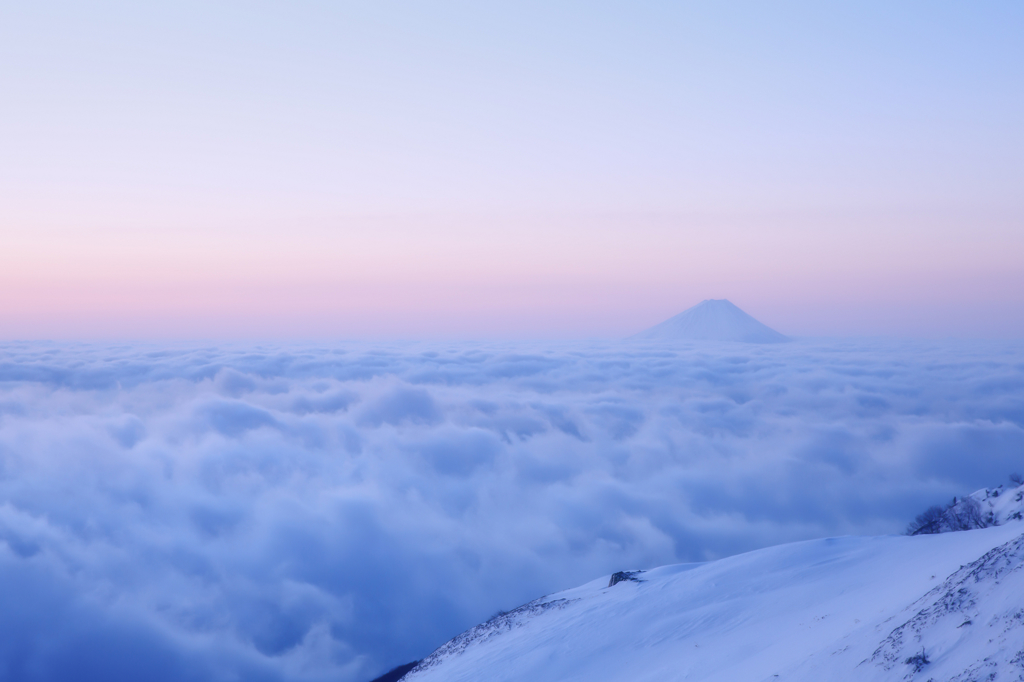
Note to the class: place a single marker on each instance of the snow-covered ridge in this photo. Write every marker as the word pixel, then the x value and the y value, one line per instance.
pixel 981 509
pixel 969 628
pixel 946 606
pixel 500 623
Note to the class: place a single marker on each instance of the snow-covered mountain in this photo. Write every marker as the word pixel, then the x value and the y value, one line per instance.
pixel 943 606
pixel 984 508
pixel 712 320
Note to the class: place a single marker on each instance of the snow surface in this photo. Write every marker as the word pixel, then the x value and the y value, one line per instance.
pixel 943 607
pixel 712 320
pixel 999 506
pixel 984 508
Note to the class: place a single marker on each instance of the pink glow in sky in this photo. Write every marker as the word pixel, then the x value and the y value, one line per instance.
pixel 191 171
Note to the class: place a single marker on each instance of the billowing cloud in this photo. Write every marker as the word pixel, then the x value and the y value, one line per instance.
pixel 325 513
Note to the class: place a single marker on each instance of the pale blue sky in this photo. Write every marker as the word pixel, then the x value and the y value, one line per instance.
pixel 132 129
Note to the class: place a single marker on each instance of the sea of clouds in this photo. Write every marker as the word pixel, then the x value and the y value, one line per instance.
pixel 328 512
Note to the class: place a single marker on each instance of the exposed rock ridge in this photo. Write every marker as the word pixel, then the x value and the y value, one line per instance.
pixel 503 622
pixel 974 603
pixel 623 576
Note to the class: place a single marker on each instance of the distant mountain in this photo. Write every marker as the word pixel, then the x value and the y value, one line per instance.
pixel 895 608
pixel 712 320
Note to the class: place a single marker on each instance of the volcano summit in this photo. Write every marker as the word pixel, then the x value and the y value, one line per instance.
pixel 712 320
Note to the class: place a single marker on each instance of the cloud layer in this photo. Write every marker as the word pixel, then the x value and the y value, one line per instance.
pixel 325 513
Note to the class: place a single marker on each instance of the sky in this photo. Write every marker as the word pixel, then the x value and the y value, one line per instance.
pixel 211 214
pixel 327 512
pixel 523 170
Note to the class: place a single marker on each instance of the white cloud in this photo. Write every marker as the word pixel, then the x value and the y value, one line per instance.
pixel 325 513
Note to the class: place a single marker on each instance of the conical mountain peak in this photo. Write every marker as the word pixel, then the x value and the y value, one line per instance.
pixel 712 320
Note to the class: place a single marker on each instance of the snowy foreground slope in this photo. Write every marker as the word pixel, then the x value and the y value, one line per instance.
pixel 931 607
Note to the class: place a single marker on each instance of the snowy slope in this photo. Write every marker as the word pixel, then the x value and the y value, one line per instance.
pixel 946 607
pixel 984 508
pixel 712 320
pixel 970 627
pixel 998 506
pixel 1001 506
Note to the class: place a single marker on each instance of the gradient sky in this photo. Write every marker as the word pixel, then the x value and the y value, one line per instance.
pixel 314 169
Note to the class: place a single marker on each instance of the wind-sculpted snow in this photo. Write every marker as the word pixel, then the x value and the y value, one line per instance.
pixel 313 513
pixel 800 612
pixel 969 628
